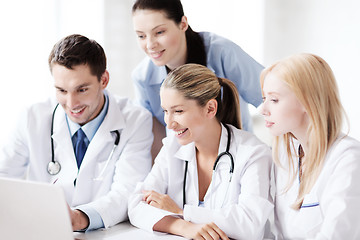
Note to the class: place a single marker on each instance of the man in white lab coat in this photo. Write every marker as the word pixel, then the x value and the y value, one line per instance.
pixel 94 145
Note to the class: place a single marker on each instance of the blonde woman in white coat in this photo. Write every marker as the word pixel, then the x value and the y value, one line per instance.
pixel 317 171
pixel 213 205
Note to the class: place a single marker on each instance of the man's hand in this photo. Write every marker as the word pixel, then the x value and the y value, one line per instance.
pixel 79 220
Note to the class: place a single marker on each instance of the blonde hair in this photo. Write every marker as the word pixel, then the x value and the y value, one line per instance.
pixel 314 84
pixel 199 83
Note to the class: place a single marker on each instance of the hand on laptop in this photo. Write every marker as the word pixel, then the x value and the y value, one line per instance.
pixel 79 220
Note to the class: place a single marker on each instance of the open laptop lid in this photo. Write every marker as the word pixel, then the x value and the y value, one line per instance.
pixel 33 211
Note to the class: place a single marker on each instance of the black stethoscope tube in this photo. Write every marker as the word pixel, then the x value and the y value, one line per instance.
pixel 184 184
pixel 54 167
pixel 215 164
pixel 51 132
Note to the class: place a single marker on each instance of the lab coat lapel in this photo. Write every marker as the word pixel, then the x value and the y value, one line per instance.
pixel 220 179
pixel 103 138
pixel 188 153
pixel 64 154
pixel 98 152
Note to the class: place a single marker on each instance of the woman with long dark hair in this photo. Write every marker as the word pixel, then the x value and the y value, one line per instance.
pixel 166 37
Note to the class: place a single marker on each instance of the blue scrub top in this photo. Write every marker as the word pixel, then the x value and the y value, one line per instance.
pixel 224 58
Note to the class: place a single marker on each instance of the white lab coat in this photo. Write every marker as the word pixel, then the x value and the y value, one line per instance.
pixel 241 213
pixel 28 152
pixel 333 210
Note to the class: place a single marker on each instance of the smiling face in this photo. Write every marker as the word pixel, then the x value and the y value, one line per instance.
pixel 161 39
pixel 185 117
pixel 281 109
pixel 79 92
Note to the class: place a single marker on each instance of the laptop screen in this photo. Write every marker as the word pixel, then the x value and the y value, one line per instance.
pixel 33 211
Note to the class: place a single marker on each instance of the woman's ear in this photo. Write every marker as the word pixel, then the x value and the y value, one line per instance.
pixel 184 25
pixel 211 108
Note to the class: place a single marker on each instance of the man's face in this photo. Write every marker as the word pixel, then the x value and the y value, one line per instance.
pixel 79 92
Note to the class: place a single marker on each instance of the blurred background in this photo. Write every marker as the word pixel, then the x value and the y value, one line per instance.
pixel 268 30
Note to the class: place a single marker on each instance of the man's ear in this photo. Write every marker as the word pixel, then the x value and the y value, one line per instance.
pixel 104 80
pixel 211 108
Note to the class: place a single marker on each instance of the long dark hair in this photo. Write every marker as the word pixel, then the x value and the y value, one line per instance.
pixel 173 10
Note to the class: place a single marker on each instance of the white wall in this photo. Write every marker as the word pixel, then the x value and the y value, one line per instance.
pixel 121 47
pixel 238 20
pixel 24 71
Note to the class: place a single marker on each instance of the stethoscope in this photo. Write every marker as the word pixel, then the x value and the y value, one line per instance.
pixel 54 166
pixel 226 153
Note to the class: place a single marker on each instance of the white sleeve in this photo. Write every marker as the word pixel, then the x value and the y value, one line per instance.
pixel 132 167
pixel 14 155
pixel 141 214
pixel 340 201
pixel 247 218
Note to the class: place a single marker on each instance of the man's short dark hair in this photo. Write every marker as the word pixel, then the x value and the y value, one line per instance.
pixel 75 50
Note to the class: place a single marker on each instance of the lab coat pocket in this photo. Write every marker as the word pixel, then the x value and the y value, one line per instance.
pixel 103 175
pixel 310 216
pixel 99 168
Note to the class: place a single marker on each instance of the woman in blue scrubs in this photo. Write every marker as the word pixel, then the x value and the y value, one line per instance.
pixel 168 41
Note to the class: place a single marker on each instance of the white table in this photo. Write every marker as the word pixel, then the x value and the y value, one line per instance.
pixel 123 231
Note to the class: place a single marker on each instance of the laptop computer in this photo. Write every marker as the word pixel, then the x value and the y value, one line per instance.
pixel 33 211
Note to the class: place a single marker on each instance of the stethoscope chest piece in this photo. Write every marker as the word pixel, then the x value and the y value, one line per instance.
pixel 53 167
